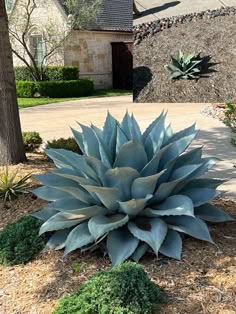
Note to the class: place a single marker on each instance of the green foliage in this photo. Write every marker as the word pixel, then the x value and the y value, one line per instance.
pixel 19 241
pixel 230 121
pixel 130 191
pixel 126 289
pixel 185 66
pixel 79 88
pixel 31 140
pixel 55 89
pixel 52 73
pixel 10 187
pixel 26 89
pixel 66 143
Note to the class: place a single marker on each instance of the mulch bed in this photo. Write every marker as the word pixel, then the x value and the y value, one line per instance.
pixel 203 282
pixel 215 37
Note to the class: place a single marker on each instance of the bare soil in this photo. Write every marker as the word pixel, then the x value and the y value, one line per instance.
pixel 214 37
pixel 203 282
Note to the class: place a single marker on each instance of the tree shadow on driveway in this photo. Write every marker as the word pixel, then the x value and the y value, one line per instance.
pixel 158 9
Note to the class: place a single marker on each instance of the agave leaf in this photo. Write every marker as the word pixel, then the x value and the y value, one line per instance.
pixel 58 240
pixel 100 225
pixel 78 193
pixel 86 212
pixel 183 133
pixel 172 245
pixel 188 58
pixel 136 132
pixel 175 74
pixel 134 206
pixel 154 139
pixel 200 196
pixel 44 214
pixel 59 221
pixel 79 139
pixel 176 148
pixel 91 145
pixel 107 196
pixel 182 171
pixel 122 179
pixel 211 213
pixel 70 174
pixel 175 62
pixel 154 235
pixel 168 134
pixel 173 68
pixel 180 55
pixel 139 252
pixel 143 186
pixel 121 139
pixel 165 189
pixel 131 154
pixel 194 227
pixel 98 167
pixel 68 203
pixel 52 180
pixel 50 194
pixel 152 125
pixel 189 158
pixel 112 144
pixel 121 245
pixel 202 183
pixel 104 152
pixel 208 163
pixel 78 237
pixel 176 205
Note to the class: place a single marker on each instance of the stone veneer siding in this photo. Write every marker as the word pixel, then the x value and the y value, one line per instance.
pixel 92 52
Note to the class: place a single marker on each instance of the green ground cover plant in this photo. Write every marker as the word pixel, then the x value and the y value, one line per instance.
pixel 32 140
pixel 126 289
pixel 65 143
pixel 20 242
pixel 230 120
pixel 132 191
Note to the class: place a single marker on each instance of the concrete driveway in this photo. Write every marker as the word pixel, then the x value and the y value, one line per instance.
pixel 53 121
pixel 153 9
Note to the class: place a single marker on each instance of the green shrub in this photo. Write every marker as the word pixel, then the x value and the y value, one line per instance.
pixel 61 89
pixel 26 89
pixel 65 143
pixel 19 241
pixel 32 140
pixel 141 190
pixel 52 73
pixel 55 89
pixel 10 187
pixel 126 289
pixel 62 73
pixel 230 120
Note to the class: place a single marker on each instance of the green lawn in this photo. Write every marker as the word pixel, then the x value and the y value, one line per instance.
pixel 31 102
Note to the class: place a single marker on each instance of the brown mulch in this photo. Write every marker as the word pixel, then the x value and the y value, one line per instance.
pixel 203 282
pixel 215 37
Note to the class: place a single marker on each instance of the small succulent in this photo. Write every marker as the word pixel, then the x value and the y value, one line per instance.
pixel 10 187
pixel 185 66
pixel 132 192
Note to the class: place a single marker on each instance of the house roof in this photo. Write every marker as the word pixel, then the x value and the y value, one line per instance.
pixel 114 15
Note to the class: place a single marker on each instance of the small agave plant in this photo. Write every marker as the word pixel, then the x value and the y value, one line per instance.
pixel 132 191
pixel 185 66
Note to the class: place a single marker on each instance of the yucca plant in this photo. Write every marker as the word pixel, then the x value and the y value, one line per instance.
pixel 185 66
pixel 11 187
pixel 132 191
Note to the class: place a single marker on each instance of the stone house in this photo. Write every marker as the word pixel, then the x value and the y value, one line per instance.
pixel 103 53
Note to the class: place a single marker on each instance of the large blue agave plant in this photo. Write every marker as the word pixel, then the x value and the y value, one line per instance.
pixel 135 192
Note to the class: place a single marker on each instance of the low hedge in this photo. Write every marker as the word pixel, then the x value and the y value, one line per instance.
pixel 26 89
pixel 53 73
pixel 55 89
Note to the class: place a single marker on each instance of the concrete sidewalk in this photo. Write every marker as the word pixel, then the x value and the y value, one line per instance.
pixel 53 121
pixel 154 9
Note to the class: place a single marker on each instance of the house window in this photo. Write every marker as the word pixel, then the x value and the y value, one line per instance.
pixel 37 46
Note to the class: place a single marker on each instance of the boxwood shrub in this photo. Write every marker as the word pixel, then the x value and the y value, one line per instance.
pixel 126 289
pixel 26 89
pixel 53 73
pixel 55 89
pixel 20 242
pixel 60 89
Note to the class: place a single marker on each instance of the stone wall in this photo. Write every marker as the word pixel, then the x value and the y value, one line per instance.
pixel 92 52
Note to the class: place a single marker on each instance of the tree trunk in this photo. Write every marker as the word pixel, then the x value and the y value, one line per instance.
pixel 135 9
pixel 11 143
